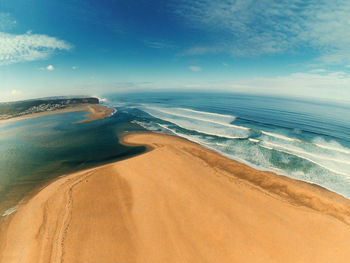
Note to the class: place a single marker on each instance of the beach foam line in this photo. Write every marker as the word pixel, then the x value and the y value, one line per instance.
pixel 308 153
pixel 165 127
pixel 221 144
pixel 198 130
pixel 260 167
pixel 206 133
pixel 10 211
pixel 144 125
pixel 195 118
pixel 228 155
pixel 207 145
pixel 305 158
pixel 207 113
pixel 282 137
pixel 114 112
pixel 313 158
pixel 267 147
pixel 188 137
pixel 332 148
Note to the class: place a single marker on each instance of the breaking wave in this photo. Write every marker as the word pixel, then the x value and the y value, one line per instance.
pixel 290 151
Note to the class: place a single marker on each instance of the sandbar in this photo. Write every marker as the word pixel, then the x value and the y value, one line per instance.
pixel 177 202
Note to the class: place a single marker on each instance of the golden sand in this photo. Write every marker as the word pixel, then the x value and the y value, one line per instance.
pixel 178 202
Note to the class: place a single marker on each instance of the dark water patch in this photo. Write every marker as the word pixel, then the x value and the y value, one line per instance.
pixel 35 151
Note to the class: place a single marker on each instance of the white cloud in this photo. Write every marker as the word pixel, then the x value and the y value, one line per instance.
pixel 6 21
pixel 327 86
pixel 14 92
pixel 28 47
pixel 50 68
pixel 195 68
pixel 250 27
pixel 8 94
pixel 159 44
pixel 330 86
pixel 318 70
pixel 74 67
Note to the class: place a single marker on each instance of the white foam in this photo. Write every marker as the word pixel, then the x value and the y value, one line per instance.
pixel 190 138
pixel 279 136
pixel 206 133
pixel 294 149
pixel 165 127
pixel 306 156
pixel 319 142
pixel 226 124
pixel 206 145
pixel 113 112
pixel 204 128
pixel 330 156
pixel 10 211
pixel 266 147
pixel 208 113
pixel 332 145
pixel 144 125
pixel 221 144
pixel 102 99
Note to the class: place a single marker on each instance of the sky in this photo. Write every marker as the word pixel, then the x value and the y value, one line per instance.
pixel 289 48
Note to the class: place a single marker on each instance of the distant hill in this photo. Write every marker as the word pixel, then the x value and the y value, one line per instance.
pixel 20 108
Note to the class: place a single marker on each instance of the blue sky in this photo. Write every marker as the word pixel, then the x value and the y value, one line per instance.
pixel 90 47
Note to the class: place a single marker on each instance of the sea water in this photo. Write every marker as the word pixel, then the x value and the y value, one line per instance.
pixel 306 140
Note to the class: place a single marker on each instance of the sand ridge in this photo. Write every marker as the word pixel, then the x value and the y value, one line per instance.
pixel 178 202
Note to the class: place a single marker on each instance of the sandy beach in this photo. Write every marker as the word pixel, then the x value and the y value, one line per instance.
pixel 178 202
pixel 96 112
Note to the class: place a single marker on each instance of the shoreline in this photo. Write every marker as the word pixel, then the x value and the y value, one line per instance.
pixel 269 184
pixel 95 112
pixel 226 178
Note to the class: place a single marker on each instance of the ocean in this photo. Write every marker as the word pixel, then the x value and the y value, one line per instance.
pixel 305 140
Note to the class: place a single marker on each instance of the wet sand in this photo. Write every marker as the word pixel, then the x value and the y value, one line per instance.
pixel 96 112
pixel 178 202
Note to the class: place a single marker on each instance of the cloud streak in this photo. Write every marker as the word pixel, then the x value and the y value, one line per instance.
pixel 6 21
pixel 158 44
pixel 195 68
pixel 249 27
pixel 28 47
pixel 327 86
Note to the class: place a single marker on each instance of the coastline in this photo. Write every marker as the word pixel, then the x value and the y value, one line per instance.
pixel 177 202
pixel 96 112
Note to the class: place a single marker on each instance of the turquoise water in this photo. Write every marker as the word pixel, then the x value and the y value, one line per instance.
pixel 36 150
pixel 306 140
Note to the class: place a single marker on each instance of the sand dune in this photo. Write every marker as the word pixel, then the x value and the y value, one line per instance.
pixel 178 203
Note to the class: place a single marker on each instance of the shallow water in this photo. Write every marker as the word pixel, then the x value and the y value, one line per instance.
pixel 34 151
